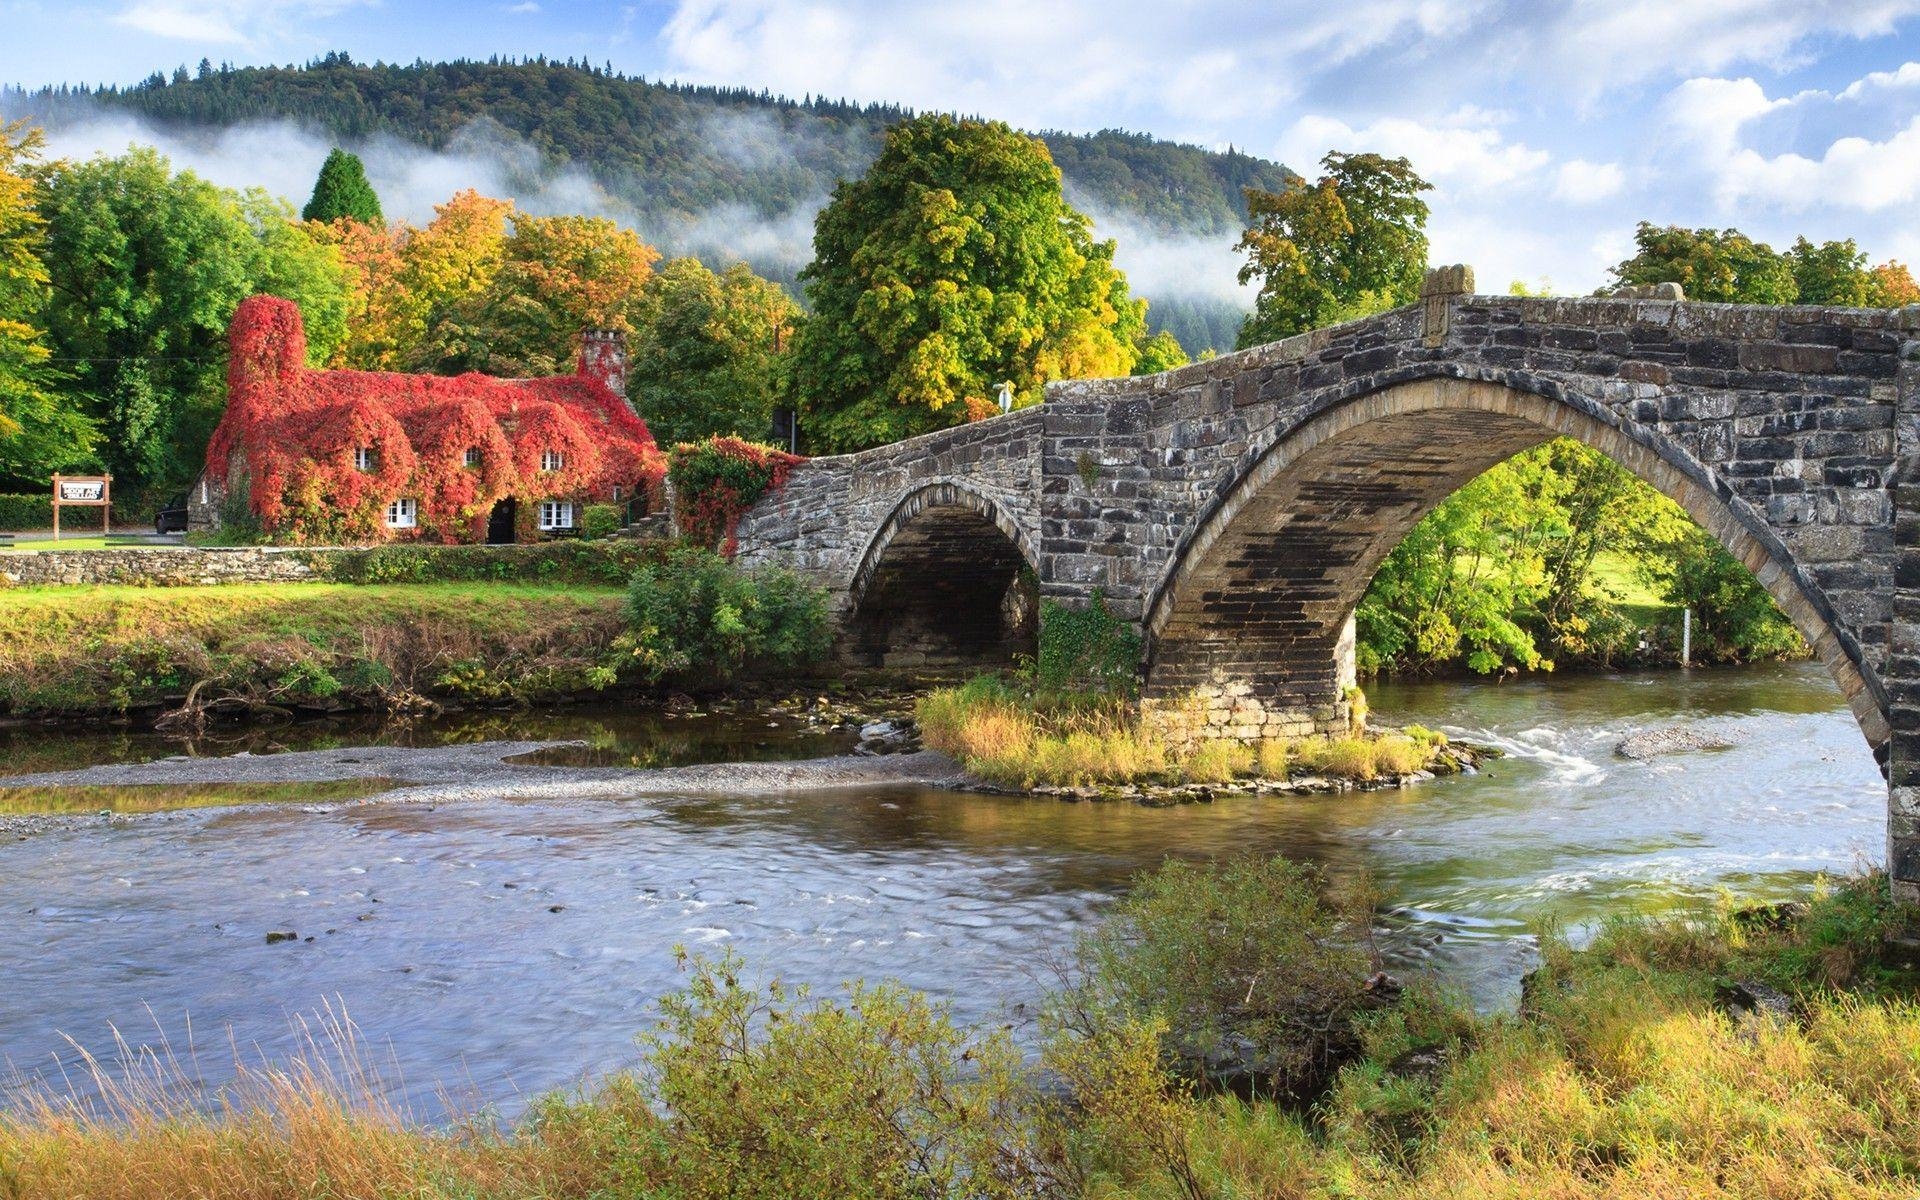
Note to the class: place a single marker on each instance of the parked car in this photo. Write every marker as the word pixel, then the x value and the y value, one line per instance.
pixel 172 518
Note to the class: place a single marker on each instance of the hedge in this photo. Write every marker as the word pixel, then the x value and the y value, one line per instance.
pixel 572 561
pixel 18 513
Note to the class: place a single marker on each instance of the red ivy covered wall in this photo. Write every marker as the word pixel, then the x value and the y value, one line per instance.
pixel 291 433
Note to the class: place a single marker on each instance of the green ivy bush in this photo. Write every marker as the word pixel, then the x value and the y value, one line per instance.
pixel 1086 649
pixel 718 480
pixel 694 616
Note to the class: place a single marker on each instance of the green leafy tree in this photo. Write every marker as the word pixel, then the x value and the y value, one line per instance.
pixel 708 351
pixel 1830 273
pixel 1710 264
pixel 40 431
pixel 953 264
pixel 146 267
pixel 1161 352
pixel 1354 242
pixel 342 192
pixel 1735 619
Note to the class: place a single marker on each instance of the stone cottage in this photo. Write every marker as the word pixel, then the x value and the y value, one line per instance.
pixel 365 456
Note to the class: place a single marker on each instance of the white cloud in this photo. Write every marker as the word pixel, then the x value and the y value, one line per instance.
pixel 1581 182
pixel 230 22
pixel 1714 118
pixel 1461 155
pixel 1906 76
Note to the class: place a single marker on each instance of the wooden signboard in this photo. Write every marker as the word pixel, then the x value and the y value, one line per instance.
pixel 83 491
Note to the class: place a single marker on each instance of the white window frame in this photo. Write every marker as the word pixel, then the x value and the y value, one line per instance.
pixel 363 458
pixel 403 513
pixel 552 460
pixel 556 514
pixel 471 458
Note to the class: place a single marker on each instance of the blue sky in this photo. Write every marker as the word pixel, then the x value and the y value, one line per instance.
pixel 1548 126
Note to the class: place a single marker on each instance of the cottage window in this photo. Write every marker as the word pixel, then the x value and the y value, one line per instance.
pixel 401 514
pixel 556 514
pixel 472 458
pixel 552 460
pixel 363 458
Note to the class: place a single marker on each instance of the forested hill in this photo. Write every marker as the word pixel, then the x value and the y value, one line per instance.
pixel 663 148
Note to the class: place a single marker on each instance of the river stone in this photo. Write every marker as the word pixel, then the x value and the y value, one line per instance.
pixel 1673 739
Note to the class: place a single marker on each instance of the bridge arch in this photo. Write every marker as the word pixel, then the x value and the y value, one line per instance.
pixel 947 579
pixel 1255 613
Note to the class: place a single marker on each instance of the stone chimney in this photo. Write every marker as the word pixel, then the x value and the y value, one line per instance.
pixel 603 357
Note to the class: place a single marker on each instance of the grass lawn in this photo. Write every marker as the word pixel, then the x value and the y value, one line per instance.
pixel 1617 573
pixel 65 543
pixel 56 612
pixel 114 647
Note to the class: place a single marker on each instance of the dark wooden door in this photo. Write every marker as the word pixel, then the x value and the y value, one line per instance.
pixel 501 522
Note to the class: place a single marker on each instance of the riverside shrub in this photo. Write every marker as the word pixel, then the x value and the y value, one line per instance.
pixel 770 1093
pixel 1256 969
pixel 695 617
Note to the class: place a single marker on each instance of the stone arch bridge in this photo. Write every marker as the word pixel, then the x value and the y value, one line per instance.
pixel 1237 509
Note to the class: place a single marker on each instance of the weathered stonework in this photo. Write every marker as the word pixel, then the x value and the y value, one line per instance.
pixel 1236 509
pixel 169 566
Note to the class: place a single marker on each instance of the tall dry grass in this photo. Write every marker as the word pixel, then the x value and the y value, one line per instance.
pixel 1019 738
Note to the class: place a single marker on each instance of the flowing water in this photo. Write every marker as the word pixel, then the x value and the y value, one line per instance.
pixel 497 949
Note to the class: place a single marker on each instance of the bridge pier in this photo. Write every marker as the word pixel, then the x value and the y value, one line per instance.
pixel 1250 689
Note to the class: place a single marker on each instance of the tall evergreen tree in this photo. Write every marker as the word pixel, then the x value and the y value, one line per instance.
pixel 342 190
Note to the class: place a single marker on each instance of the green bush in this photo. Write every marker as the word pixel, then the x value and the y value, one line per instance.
pixel 1256 968
pixel 1086 649
pixel 768 1093
pixel 600 521
pixel 18 513
pixel 696 616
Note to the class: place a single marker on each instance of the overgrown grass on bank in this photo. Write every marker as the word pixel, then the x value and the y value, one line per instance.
pixel 463 624
pixel 114 648
pixel 168 797
pixel 1013 735
pixel 1624 1074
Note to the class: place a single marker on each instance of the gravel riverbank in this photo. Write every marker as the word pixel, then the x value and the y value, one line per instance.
pixel 485 770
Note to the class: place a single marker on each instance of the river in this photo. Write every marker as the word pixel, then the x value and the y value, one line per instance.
pixel 493 950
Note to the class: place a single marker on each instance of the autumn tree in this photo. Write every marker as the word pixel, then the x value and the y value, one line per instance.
pixel 384 318
pixel 561 275
pixel 953 264
pixel 1891 285
pixel 40 432
pixel 707 355
pixel 1353 242
pixel 342 192
pixel 448 270
pixel 145 268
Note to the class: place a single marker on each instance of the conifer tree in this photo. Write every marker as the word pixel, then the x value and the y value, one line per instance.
pixel 342 190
